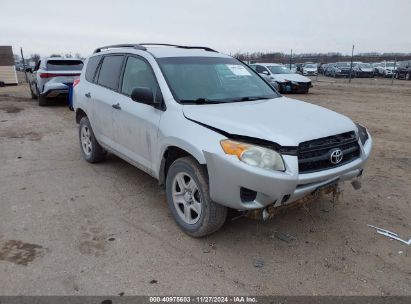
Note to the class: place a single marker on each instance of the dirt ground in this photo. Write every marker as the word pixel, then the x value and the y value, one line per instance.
pixel 68 227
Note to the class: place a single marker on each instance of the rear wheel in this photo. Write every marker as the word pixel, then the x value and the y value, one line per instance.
pixel 33 96
pixel 41 99
pixel 189 199
pixel 90 148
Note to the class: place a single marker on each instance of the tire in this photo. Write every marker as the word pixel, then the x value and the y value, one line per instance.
pixel 90 148
pixel 194 211
pixel 41 99
pixel 33 96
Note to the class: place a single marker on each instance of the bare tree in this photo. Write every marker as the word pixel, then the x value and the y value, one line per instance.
pixel 77 55
pixel 68 55
pixel 35 58
pixel 55 55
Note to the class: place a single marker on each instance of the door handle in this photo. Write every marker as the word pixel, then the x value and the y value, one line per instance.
pixel 116 106
pixel 88 95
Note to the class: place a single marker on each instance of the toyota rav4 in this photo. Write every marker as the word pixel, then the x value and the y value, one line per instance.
pixel 211 130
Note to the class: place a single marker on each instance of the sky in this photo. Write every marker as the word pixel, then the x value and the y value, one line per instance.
pixel 229 26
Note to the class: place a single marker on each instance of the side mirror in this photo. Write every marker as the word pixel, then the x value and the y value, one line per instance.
pixel 144 95
pixel 265 73
pixel 29 70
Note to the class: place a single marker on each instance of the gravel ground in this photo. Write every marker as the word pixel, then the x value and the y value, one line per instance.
pixel 68 227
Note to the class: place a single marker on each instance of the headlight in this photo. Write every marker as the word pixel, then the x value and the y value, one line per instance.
pixel 253 155
pixel 362 132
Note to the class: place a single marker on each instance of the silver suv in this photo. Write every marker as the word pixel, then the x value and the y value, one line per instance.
pixel 211 130
pixel 52 77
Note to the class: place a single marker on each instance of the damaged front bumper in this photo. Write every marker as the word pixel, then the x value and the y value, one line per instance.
pixel 243 187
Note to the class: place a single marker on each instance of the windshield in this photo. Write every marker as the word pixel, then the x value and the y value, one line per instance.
pixel 343 64
pixel 64 65
pixel 310 66
pixel 389 64
pixel 279 69
pixel 213 80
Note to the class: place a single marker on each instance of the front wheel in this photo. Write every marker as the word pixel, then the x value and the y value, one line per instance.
pixel 189 199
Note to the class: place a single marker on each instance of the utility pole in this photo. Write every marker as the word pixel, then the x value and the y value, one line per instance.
pixel 352 56
pixel 24 64
pixel 291 58
pixel 395 65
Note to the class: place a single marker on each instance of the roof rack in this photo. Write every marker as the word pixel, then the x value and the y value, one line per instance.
pixel 115 46
pixel 189 47
pixel 140 46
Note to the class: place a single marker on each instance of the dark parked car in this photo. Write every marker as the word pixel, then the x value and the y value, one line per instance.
pixel 339 69
pixel 403 70
pixel 363 70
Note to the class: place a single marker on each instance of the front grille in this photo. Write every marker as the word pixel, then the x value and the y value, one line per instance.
pixel 302 87
pixel 314 155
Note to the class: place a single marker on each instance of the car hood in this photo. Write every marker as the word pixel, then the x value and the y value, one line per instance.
pixel 290 77
pixel 367 69
pixel 282 120
pixel 310 69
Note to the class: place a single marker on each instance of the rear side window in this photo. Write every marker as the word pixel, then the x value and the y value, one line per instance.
pixel 92 67
pixel 64 65
pixel 110 71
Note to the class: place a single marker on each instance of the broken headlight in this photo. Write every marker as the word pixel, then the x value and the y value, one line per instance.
pixel 362 132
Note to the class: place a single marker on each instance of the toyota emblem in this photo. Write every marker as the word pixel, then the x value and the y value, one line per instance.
pixel 336 156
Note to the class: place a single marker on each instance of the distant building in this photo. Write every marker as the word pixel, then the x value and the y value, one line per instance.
pixel 7 69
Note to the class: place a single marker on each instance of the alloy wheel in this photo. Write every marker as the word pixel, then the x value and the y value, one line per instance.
pixel 186 198
pixel 85 138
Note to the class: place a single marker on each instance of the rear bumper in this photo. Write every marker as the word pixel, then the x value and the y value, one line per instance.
pixel 229 176
pixel 54 93
pixel 54 90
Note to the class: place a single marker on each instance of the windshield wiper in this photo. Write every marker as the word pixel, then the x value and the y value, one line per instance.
pixel 249 98
pixel 200 101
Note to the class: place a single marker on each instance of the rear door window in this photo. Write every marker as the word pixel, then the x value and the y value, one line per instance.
pixel 64 65
pixel 92 67
pixel 110 71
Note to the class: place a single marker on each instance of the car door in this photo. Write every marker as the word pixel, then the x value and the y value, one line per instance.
pixel 103 96
pixel 136 124
pixel 33 78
